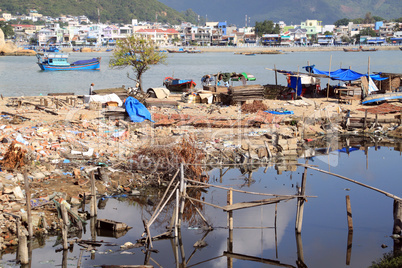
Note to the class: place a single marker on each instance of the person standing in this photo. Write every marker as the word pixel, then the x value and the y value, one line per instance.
pixel 91 89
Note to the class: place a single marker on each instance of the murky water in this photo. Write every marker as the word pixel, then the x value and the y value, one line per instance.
pixel 263 236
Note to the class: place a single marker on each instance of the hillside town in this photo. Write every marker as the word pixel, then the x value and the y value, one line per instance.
pixel 72 31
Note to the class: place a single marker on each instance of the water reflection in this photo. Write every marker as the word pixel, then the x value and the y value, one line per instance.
pixel 263 235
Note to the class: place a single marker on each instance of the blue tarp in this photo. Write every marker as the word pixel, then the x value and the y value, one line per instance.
pixel 136 110
pixel 84 61
pixel 279 112
pixel 295 82
pixel 342 74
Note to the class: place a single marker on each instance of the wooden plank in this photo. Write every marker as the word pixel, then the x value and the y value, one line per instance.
pixel 256 203
pixel 256 259
pixel 60 94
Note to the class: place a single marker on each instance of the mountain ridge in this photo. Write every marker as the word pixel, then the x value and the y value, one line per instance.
pixel 291 11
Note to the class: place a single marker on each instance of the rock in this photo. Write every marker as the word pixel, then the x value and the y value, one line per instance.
pixel 18 193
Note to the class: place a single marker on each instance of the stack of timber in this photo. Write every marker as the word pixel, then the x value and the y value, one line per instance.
pixel 274 91
pixel 246 92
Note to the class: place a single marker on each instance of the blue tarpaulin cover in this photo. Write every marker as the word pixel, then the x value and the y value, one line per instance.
pixel 295 82
pixel 136 110
pixel 343 74
pixel 84 61
pixel 279 112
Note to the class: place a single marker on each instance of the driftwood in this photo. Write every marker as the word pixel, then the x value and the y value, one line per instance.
pixel 15 115
pixel 37 107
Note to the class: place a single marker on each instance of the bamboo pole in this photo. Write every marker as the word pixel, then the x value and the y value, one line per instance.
pixel 93 208
pixel 229 201
pixel 28 201
pixel 164 204
pixel 300 202
pixel 163 197
pixel 329 74
pixel 199 213
pixel 349 248
pixel 356 182
pixel 276 75
pixel 247 192
pixel 349 214
pixel 177 213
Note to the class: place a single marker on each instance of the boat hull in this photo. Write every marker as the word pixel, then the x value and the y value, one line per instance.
pixel 88 66
pixel 352 50
pixel 178 85
pixel 382 97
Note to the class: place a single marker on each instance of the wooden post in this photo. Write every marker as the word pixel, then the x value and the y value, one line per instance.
pixel 329 74
pixel 300 253
pixel 28 201
pixel 300 202
pixel 176 227
pixel 229 202
pixel 182 193
pixel 93 208
pixel 365 120
pixel 64 227
pixel 23 249
pixel 276 75
pixel 397 217
pixel 349 247
pixel 268 150
pixel 368 70
pixel 349 214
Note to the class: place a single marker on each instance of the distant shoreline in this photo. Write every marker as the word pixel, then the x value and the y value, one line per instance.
pixel 268 50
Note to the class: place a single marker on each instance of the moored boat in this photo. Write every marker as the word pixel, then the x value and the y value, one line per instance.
pixel 369 49
pixel 392 96
pixel 352 49
pixel 180 50
pixel 178 85
pixel 58 62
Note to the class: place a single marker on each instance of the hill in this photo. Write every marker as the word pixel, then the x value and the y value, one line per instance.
pixel 291 11
pixel 122 11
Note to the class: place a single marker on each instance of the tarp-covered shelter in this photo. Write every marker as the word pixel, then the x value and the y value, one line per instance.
pixel 342 74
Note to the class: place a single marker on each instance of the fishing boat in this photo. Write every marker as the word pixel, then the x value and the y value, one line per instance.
pixel 180 50
pixel 51 49
pixel 352 49
pixel 178 85
pixel 369 49
pixel 392 96
pixel 58 62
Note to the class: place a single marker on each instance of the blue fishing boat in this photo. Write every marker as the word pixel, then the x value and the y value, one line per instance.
pixel 58 62
pixel 51 49
pixel 383 97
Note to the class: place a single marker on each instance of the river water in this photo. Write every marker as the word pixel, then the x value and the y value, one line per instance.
pixel 324 240
pixel 21 76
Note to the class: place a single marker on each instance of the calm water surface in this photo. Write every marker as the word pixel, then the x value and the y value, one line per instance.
pixel 323 241
pixel 21 76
